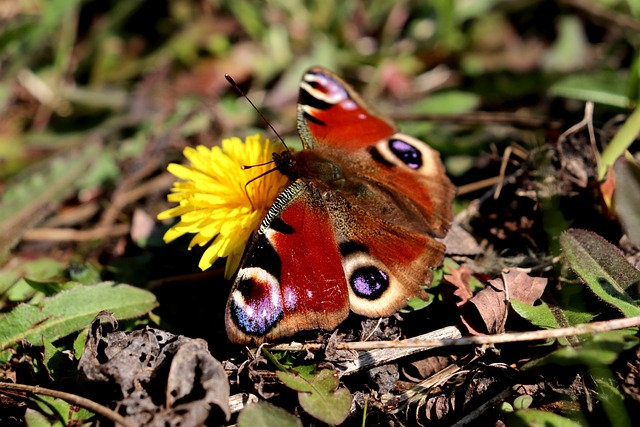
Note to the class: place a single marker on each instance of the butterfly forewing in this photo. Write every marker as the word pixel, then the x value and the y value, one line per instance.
pixel 331 113
pixel 292 277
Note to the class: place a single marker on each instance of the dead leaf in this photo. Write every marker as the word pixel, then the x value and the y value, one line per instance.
pixel 428 366
pixel 385 377
pixel 491 302
pixel 460 279
pixel 142 363
pixel 522 287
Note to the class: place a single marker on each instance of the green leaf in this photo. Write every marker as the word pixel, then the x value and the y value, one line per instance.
pixel 20 291
pixel 449 102
pixel 263 414
pixel 626 196
pixel 49 288
pixel 523 402
pixel 625 136
pixel 331 408
pixel 85 273
pixel 569 51
pixel 33 418
pixel 40 269
pixel 603 268
pixel 56 412
pixel 319 395
pixel 415 304
pixel 610 396
pixel 536 417
pixel 51 356
pixel 506 407
pixel 273 358
pixel 539 315
pixel 79 342
pixel 71 311
pixel 604 88
pixel 598 350
pixel 295 381
pixel 543 316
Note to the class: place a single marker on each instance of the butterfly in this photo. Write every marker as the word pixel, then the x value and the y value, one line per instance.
pixel 355 230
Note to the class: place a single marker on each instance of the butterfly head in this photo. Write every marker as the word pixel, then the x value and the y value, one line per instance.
pixel 287 165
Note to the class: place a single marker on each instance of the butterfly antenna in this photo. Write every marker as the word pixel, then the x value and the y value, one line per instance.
pixel 255 178
pixel 244 95
pixel 245 167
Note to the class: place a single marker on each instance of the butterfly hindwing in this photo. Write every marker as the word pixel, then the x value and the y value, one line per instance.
pixel 384 263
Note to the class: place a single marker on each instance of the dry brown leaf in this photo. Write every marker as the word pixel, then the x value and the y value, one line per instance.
pixel 491 302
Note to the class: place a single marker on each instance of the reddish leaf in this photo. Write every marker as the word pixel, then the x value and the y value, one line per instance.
pixel 460 279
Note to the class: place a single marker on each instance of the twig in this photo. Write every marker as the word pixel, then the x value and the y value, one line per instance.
pixel 608 16
pixel 377 356
pixel 503 171
pixel 73 399
pixel 73 235
pixel 583 329
pixel 478 185
pixel 155 185
pixel 587 120
pixel 481 117
pixel 122 195
pixel 489 404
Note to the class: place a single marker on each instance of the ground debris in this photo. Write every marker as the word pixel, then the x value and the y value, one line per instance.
pixel 156 378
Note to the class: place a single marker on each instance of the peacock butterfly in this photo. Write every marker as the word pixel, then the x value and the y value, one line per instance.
pixel 355 230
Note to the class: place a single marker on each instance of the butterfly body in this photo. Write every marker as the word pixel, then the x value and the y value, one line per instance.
pixel 355 230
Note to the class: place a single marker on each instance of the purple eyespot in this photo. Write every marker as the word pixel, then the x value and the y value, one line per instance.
pixel 407 153
pixel 369 282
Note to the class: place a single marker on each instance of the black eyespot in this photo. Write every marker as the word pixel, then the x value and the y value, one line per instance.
pixel 348 248
pixel 305 98
pixel 281 227
pixel 264 256
pixel 377 156
pixel 407 153
pixel 369 282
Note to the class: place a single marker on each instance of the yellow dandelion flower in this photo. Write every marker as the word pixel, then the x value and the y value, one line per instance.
pixel 214 203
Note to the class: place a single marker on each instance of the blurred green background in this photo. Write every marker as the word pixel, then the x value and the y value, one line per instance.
pixel 129 71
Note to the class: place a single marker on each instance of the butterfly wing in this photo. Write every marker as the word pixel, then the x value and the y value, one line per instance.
pixel 389 199
pixel 387 228
pixel 384 264
pixel 408 173
pixel 292 277
pixel 330 112
pixel 339 125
